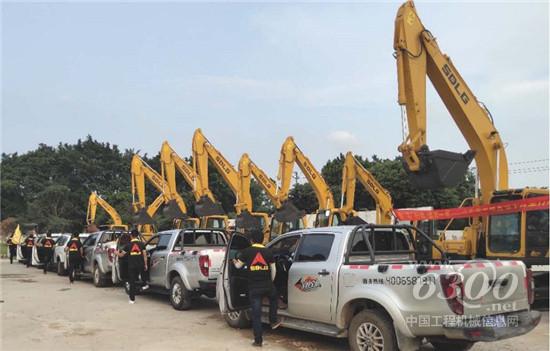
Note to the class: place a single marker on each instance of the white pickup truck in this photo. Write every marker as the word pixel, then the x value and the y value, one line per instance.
pixel 185 264
pixel 364 283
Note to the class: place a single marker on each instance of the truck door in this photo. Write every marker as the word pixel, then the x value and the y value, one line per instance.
pixel 158 248
pixel 312 278
pixel 88 248
pixel 235 285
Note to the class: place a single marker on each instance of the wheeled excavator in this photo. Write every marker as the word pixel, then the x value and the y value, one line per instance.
pixel 210 211
pixel 522 235
pixel 203 151
pixel 144 215
pixel 286 219
pixel 327 214
pixel 95 200
pixel 352 171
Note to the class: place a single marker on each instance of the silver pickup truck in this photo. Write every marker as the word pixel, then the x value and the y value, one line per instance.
pixel 99 253
pixel 364 283
pixel 185 264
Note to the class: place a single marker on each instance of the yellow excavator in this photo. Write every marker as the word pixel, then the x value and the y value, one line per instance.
pixel 352 171
pixel 144 215
pixel 203 151
pixel 95 200
pixel 521 235
pixel 327 214
pixel 285 219
pixel 210 211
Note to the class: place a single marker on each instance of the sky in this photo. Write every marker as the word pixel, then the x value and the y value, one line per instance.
pixel 251 74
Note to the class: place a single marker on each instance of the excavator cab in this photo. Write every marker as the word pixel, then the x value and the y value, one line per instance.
pixel 439 168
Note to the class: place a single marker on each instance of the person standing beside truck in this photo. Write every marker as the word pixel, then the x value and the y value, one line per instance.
pixel 12 247
pixel 137 263
pixel 29 243
pixel 48 245
pixel 74 248
pixel 260 267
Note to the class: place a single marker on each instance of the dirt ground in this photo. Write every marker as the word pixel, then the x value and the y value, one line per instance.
pixel 43 312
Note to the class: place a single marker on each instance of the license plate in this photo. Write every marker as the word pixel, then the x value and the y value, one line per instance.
pixel 498 321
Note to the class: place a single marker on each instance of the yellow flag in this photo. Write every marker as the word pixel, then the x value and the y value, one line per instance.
pixel 16 237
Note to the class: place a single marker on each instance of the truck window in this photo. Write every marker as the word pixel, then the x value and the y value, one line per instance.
pixel 285 247
pixel 90 241
pixel 315 247
pixel 207 238
pixel 536 234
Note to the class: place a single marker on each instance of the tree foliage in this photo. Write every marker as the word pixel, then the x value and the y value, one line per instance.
pixel 50 185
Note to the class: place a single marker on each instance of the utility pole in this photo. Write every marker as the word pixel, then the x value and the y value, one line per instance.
pixel 296 178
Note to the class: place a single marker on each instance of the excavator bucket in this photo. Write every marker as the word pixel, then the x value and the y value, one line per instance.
pixel 172 210
pixel 440 168
pixel 247 222
pixel 354 220
pixel 206 207
pixel 142 217
pixel 288 213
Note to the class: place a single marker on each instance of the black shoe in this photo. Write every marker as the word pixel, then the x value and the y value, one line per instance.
pixel 257 344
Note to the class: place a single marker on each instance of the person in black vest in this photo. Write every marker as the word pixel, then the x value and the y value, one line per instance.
pixel 137 263
pixel 48 245
pixel 28 245
pixel 12 248
pixel 74 248
pixel 260 267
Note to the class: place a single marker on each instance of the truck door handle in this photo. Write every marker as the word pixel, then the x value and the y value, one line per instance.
pixel 323 272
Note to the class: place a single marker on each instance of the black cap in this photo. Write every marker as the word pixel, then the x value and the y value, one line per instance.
pixel 134 232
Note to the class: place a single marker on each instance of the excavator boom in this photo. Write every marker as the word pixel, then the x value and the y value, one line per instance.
pixel 93 201
pixel 291 154
pixel 141 170
pixel 418 56
pixel 171 161
pixel 353 170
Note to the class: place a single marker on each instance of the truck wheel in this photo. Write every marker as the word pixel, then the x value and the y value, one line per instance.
pixel 237 320
pixel 60 268
pixel 99 278
pixel 456 345
pixel 373 331
pixel 180 297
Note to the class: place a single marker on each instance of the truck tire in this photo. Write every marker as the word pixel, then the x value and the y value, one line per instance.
pixel 237 320
pixel 456 345
pixel 99 278
pixel 372 330
pixel 180 297
pixel 60 268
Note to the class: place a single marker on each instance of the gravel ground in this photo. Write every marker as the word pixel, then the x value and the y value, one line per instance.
pixel 44 312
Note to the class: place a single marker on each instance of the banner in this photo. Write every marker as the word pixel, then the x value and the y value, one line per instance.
pixel 530 204
pixel 16 237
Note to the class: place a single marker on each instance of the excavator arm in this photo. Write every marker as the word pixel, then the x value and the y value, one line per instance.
pixel 354 170
pixel 141 170
pixel 247 169
pixel 418 56
pixel 171 162
pixel 291 154
pixel 93 201
pixel 203 151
